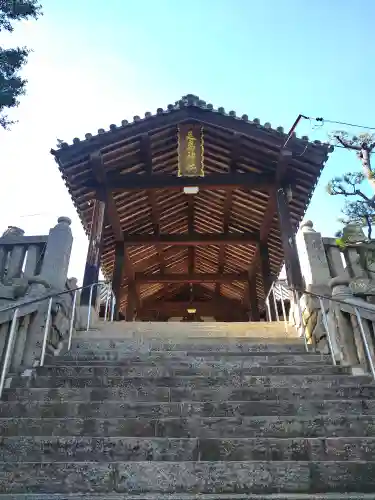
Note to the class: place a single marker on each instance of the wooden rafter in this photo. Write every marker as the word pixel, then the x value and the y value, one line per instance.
pixel 190 278
pixel 131 182
pixel 227 210
pixel 146 158
pixel 160 303
pixel 191 251
pixel 204 308
pixel 194 239
pixel 146 153
pixel 155 215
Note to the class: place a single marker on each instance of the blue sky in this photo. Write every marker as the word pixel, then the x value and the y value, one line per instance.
pixel 98 62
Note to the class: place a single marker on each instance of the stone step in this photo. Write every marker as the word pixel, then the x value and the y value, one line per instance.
pixel 188 477
pixel 221 345
pixel 180 394
pixel 187 496
pixel 175 369
pixel 152 410
pixel 195 382
pixel 110 449
pixel 128 330
pixel 201 363
pixel 195 357
pixel 271 426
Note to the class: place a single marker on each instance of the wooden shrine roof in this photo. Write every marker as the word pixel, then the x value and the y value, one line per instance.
pixel 136 157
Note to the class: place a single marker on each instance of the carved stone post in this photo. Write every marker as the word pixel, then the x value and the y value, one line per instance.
pixel 316 276
pixel 347 345
pixel 54 272
pixel 16 257
pixel 57 254
pixel 92 267
pixel 314 262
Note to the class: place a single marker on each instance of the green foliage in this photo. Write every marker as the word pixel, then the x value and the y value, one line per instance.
pixel 359 209
pixel 347 185
pixel 12 85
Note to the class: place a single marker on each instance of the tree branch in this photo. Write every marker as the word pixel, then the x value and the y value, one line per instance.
pixel 345 144
pixel 371 201
pixel 369 226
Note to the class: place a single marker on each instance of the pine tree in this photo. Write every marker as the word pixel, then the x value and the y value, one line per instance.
pixel 359 207
pixel 12 85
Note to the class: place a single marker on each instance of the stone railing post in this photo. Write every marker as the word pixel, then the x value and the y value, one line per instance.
pixel 316 275
pixel 54 272
pixel 314 262
pixel 57 255
pixel 346 340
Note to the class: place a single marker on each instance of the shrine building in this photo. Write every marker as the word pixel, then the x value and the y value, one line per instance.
pixel 191 211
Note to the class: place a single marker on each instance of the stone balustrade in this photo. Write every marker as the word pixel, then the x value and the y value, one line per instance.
pixel 33 267
pixel 347 284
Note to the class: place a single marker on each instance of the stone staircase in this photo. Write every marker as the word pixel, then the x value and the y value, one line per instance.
pixel 185 411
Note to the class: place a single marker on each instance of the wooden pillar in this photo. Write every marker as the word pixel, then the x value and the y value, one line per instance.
pixel 92 267
pixel 130 309
pixel 253 300
pixel 292 264
pixel 265 269
pixel 118 273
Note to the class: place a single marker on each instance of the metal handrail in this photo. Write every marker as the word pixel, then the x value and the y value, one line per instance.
pixel 17 307
pixel 356 308
pixel 49 296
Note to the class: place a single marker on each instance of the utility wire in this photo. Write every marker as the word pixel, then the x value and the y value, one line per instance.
pixel 323 120
pixel 36 215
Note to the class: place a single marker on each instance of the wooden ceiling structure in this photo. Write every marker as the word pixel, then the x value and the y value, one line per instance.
pixel 216 251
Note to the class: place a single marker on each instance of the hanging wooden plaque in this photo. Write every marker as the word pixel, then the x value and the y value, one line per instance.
pixel 190 150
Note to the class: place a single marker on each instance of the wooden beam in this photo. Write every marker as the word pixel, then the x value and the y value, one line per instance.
pixel 96 163
pixel 253 301
pixel 92 267
pixel 265 268
pixel 97 167
pixel 131 303
pixel 266 274
pixel 292 264
pixel 142 278
pixel 281 169
pixel 194 239
pixel 128 182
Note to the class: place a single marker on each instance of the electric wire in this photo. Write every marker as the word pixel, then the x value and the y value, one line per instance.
pixel 336 122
